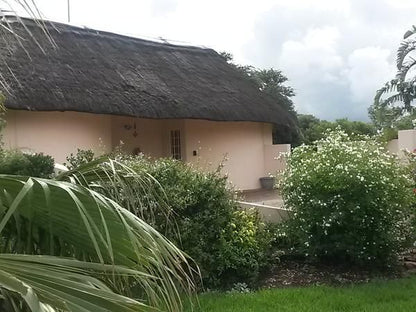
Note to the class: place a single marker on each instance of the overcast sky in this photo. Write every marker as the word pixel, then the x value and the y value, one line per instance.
pixel 336 53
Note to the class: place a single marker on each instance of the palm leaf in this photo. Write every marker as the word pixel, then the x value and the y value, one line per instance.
pixel 9 19
pixel 404 69
pixel 60 218
pixel 404 49
pixel 396 91
pixel 64 284
pixel 136 191
pixel 410 32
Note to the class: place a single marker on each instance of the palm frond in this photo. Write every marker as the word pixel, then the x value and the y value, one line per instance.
pixel 389 86
pixel 405 48
pixel 404 69
pixel 139 192
pixel 41 216
pixel 44 283
pixel 403 91
pixel 410 32
pixel 9 18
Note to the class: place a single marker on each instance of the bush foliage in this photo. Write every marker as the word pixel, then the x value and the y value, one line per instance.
pixel 229 245
pixel 351 200
pixel 81 157
pixel 194 209
pixel 19 163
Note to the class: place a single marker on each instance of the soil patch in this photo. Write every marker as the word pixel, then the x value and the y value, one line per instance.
pixel 295 273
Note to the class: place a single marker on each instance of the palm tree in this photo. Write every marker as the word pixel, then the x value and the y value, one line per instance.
pixel 401 89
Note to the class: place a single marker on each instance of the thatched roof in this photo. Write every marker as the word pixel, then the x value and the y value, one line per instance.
pixel 100 72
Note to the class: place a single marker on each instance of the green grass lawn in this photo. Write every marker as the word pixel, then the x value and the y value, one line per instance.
pixel 380 296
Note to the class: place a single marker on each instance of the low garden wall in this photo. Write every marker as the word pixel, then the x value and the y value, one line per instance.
pixel 267 213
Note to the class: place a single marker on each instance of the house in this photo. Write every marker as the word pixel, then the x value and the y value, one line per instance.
pixel 84 88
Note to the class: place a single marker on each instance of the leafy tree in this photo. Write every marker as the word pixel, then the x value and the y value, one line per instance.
pixel 395 98
pixel 313 129
pixel 272 82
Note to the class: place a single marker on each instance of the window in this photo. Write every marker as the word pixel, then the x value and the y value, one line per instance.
pixel 175 144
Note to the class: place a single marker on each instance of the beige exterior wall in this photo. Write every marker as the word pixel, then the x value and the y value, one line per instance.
pixel 57 133
pixel 275 158
pixel 150 136
pixel 406 141
pixel 135 133
pixel 246 145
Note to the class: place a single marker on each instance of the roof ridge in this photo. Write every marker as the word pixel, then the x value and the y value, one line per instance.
pixel 65 27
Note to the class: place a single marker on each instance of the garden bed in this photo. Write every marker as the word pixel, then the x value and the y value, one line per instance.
pixel 295 273
pixel 299 273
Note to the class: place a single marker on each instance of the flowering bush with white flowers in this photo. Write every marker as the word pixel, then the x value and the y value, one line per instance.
pixel 351 200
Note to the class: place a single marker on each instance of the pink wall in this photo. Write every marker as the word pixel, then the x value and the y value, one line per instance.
pixel 243 144
pixel 247 146
pixel 149 135
pixel 152 135
pixel 275 157
pixel 57 133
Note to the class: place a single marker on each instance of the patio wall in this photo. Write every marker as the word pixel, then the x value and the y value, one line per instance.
pixel 406 141
pixel 393 146
pixel 274 158
pixel 267 213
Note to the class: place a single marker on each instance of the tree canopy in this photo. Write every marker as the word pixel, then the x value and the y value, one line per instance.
pixel 273 83
pixel 313 129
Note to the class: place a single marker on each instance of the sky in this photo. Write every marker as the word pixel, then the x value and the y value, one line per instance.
pixel 336 53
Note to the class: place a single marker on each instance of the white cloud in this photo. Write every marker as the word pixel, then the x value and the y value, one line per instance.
pixel 163 7
pixel 312 62
pixel 333 52
pixel 312 56
pixel 324 51
pixel 368 69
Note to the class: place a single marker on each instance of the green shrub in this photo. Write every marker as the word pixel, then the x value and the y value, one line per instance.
pixel 351 201
pixel 13 162
pixel 228 244
pixel 41 165
pixel 18 163
pixel 81 157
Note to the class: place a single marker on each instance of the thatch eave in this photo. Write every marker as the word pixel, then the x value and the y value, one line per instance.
pixel 104 73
